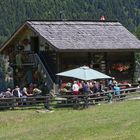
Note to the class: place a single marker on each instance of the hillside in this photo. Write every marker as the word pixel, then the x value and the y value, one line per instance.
pixel 15 12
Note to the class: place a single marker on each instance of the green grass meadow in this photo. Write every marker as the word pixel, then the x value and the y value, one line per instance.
pixel 116 121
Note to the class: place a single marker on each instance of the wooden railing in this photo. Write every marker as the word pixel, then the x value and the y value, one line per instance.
pixel 49 81
pixel 75 101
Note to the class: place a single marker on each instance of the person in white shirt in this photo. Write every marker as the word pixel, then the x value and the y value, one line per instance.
pixel 75 88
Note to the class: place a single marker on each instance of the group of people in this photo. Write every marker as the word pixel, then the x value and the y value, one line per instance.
pixel 78 87
pixel 109 88
pixel 29 91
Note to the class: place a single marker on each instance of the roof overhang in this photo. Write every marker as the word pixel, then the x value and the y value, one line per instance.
pixel 100 50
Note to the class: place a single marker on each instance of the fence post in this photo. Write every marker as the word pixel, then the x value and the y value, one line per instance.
pixel 86 100
pixel 46 104
pixel 75 102
pixel 12 103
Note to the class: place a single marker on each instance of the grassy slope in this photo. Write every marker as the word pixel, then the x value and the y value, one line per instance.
pixel 117 121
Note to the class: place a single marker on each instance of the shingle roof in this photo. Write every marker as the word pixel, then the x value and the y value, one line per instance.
pixel 84 35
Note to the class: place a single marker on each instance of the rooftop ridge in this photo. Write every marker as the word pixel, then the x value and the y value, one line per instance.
pixel 72 20
pixel 77 22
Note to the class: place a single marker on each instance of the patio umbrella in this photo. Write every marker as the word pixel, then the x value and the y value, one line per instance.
pixel 84 73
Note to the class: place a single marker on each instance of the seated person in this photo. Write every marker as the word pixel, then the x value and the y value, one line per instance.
pixel 16 92
pixel 30 89
pixel 8 93
pixel 75 88
pixel 116 90
pixel 25 93
pixel 95 89
pixel 85 88
pixel 36 91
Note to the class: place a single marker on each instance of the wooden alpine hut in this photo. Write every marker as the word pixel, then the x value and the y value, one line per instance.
pixel 40 49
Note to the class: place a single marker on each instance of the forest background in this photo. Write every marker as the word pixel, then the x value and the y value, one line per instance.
pixel 14 12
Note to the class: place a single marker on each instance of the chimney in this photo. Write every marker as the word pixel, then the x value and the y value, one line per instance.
pixel 102 18
pixel 62 15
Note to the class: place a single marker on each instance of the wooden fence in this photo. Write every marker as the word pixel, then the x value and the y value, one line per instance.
pixel 75 101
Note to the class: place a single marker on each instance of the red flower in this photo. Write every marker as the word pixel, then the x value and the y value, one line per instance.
pixel 120 67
